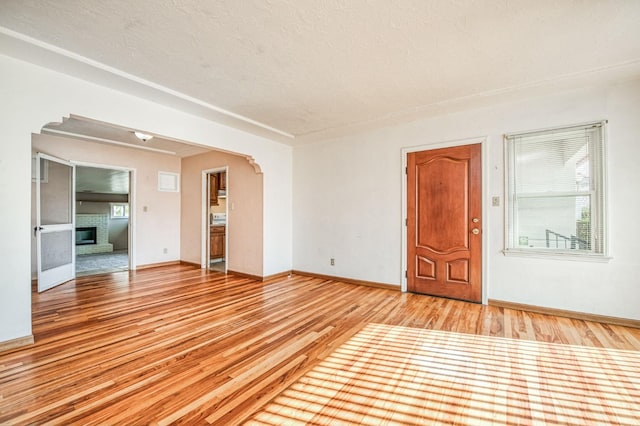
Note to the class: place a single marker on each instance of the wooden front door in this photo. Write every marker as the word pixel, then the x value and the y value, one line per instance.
pixel 444 222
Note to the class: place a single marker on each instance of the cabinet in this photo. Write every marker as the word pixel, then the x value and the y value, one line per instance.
pixel 217 181
pixel 217 237
pixel 222 181
pixel 213 190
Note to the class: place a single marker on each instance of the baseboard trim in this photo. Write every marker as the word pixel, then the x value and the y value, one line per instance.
pixel 625 322
pixel 279 275
pixel 348 280
pixel 184 262
pixel 255 277
pixel 16 343
pixel 243 275
pixel 159 264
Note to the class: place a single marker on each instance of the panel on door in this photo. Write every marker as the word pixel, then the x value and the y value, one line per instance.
pixel 55 237
pixel 444 234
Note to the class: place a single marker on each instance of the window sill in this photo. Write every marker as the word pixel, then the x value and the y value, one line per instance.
pixel 541 254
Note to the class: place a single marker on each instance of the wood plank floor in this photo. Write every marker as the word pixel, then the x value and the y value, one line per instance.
pixel 178 345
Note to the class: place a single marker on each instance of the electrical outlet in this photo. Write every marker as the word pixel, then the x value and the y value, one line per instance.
pixel 495 201
pixel 332 261
pixel 165 251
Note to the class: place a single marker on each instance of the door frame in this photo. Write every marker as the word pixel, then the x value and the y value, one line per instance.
pixel 485 204
pixel 132 202
pixel 204 233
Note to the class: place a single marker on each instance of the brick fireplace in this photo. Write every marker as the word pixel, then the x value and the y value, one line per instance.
pixel 101 223
pixel 86 235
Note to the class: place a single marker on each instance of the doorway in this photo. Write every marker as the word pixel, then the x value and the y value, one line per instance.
pixel 216 217
pixel 103 219
pixel 444 222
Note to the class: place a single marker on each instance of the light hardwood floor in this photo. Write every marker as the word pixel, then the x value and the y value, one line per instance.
pixel 180 345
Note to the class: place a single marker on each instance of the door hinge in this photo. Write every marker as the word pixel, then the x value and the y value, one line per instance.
pixel 406 222
pixel 406 170
pixel 406 274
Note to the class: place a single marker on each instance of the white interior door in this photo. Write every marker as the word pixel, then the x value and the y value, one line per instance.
pixel 55 213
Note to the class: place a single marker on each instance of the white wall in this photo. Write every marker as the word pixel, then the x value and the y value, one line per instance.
pixel 278 214
pixel 33 96
pixel 348 202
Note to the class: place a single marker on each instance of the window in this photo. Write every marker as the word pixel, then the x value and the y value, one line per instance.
pixel 119 211
pixel 555 190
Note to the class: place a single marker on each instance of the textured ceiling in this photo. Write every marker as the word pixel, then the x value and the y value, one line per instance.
pixel 310 67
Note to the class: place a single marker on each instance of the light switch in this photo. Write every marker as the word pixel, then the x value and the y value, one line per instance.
pixel 144 209
pixel 495 201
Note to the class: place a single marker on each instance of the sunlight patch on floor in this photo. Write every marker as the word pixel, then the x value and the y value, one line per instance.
pixel 400 375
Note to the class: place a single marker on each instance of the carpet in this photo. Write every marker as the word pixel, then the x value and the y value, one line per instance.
pixel 87 264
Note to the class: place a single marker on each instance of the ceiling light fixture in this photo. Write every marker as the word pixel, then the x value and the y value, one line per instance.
pixel 142 136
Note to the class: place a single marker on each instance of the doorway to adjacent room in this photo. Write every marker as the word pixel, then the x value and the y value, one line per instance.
pixel 216 208
pixel 103 219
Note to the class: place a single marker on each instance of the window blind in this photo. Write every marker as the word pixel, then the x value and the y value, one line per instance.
pixel 556 190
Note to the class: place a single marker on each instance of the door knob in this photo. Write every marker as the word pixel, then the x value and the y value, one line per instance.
pixel 475 231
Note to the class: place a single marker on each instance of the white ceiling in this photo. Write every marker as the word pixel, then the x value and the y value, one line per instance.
pixel 310 68
pixel 108 134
